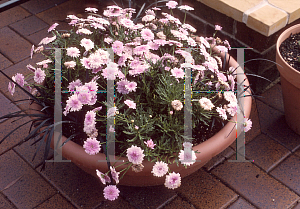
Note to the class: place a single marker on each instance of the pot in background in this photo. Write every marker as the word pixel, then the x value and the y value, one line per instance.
pixel 290 83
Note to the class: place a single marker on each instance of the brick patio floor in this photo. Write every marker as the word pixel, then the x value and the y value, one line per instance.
pixel 272 180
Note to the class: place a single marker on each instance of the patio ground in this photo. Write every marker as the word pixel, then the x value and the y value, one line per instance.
pixel 270 180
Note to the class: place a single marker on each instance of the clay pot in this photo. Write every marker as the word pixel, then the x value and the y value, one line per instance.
pixel 208 149
pixel 290 83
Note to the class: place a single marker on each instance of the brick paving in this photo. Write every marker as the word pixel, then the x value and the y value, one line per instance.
pixel 270 181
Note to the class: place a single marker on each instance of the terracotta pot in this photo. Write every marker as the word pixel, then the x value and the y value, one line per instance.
pixel 208 149
pixel 290 83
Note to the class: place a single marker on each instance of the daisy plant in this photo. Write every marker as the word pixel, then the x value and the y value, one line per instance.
pixel 147 62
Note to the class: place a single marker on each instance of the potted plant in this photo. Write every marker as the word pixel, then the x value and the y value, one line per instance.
pixel 156 66
pixel 288 60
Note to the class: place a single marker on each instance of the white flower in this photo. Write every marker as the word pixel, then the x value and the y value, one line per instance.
pixel 87 44
pixel 230 96
pixel 135 155
pixel 177 105
pixel 173 180
pixel 160 169
pixel 206 104
pixel 187 156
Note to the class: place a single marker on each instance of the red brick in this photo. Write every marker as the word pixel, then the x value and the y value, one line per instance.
pixel 4 203
pixel 273 124
pixel 84 190
pixel 288 173
pixel 36 38
pixel 57 201
pixel 118 203
pixel 240 204
pixel 23 186
pixel 12 15
pixel 37 6
pixel 13 46
pixel 178 202
pixel 4 62
pixel 143 197
pixel 59 13
pixel 6 107
pixel 273 98
pixel 17 136
pixel 29 25
pixel 255 185
pixel 27 151
pixel 205 191
pixel 266 152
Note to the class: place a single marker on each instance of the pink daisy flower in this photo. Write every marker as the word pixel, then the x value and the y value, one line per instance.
pixel 74 103
pixel 104 178
pixel 86 63
pixel 131 86
pixel 160 169
pixel 19 79
pixel 222 113
pixel 111 71
pixel 52 27
pixel 127 23
pixel 171 4
pixel 117 47
pixel 114 174
pixel 187 145
pixel 247 124
pixel 31 51
pixel 47 40
pixel 111 111
pixel 150 144
pixel 11 88
pixel 111 192
pixel 121 87
pixel 39 76
pixel 139 50
pixel 177 105
pixel 147 34
pixel 84 95
pixel 31 68
pixel 97 109
pixel 89 9
pixel 73 52
pixel 185 7
pixel 90 118
pixel 135 155
pixel 70 64
pixel 232 108
pixel 130 104
pixel 230 96
pixel 92 146
pixel 148 18
pixel 173 180
pixel 187 156
pixel 88 44
pixel 84 31
pixel 177 73
pixel 74 84
pixel 217 27
pixel 108 40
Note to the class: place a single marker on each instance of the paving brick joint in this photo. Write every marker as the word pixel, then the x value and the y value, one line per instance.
pixel 271 181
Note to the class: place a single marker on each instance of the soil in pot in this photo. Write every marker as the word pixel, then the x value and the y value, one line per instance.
pixel 290 50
